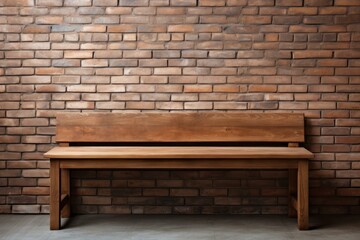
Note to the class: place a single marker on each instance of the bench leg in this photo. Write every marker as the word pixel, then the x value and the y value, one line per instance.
pixel 292 192
pixel 65 189
pixel 303 195
pixel 55 195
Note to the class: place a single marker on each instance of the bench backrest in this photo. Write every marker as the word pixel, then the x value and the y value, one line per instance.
pixel 183 127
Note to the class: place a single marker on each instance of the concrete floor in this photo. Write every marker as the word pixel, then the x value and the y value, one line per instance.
pixel 214 227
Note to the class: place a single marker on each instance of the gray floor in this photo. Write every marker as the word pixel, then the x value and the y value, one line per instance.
pixel 179 227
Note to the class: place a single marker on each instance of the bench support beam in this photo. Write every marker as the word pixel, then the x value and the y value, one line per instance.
pixel 55 187
pixel 303 195
pixel 64 201
pixel 65 190
pixel 178 164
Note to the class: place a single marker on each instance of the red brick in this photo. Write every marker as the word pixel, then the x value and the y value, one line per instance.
pixel 26 209
pixel 210 45
pixel 80 105
pixel 167 71
pixel 140 105
pixel 78 54
pixel 127 97
pixel 137 71
pixel 331 63
pixel 140 88
pixel 82 3
pixel 19 54
pixel 197 88
pixel 347 3
pixel 230 105
pixel 252 3
pixel 179 63
pixel 134 3
pixel 184 192
pixel 303 29
pixel 347 71
pixel 289 2
pixel 262 88
pixel 319 71
pixel 21 147
pixel 318 2
pixel 123 63
pixel 96 200
pixel 212 3
pixel 259 62
pixel 198 105
pixel 212 97
pixel 118 10
pixel 122 28
pixel 262 71
pixel 348 139
pixel 19 71
pixel 332 10
pixel 312 54
pixel 49 3
pixel 169 88
pixel 110 105
pixel 109 71
pixel 170 11
pixel 302 11
pixel 201 71
pixel 144 11
pixel 155 97
pixel 348 192
pixel 169 105
pixel 184 97
pixel 35 139
pixel 180 28
pixel 49 71
pixel 332 28
pixel 348 173
pixel 318 20
pixel 287 19
pixel 226 88
pixel 48 54
pixel 238 45
pixel 49 20
pixel 50 88
pixel 36 190
pixel 94 63
pixel 95 28
pixel 183 3
pixel 256 19
pixel 322 105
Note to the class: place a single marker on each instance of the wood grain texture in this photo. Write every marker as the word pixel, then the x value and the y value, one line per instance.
pixel 55 194
pixel 65 190
pixel 177 164
pixel 180 127
pixel 177 152
pixel 65 200
pixel 303 195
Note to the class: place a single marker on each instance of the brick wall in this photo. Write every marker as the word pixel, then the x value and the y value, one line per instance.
pixel 180 55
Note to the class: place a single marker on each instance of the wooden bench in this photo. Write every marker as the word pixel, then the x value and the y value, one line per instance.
pixel 206 140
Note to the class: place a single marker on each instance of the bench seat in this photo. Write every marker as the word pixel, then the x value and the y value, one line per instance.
pixel 178 152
